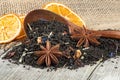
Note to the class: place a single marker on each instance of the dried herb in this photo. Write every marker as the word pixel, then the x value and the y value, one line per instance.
pixel 50 42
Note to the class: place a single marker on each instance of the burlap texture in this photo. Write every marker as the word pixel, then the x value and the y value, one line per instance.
pixel 97 14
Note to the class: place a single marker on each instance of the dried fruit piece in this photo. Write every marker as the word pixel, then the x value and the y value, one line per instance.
pixel 77 54
pixel 22 33
pixel 10 27
pixel 65 12
pixel 39 40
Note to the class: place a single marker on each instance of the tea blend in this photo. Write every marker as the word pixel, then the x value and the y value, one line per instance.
pixel 49 43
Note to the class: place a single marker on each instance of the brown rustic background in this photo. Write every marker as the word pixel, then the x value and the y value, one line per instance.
pixel 97 14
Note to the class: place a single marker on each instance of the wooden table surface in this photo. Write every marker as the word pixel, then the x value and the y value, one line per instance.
pixel 108 70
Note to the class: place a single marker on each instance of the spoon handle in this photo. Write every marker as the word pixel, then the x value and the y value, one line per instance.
pixel 103 33
pixel 109 33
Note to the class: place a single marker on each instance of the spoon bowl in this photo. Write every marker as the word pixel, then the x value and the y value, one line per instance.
pixel 46 15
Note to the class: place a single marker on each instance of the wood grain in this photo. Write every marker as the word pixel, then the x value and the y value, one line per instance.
pixel 110 70
pixel 9 71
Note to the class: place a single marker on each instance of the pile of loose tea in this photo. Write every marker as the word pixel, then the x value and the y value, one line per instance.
pixel 49 43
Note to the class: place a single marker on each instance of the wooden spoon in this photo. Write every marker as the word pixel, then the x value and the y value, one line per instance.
pixel 48 15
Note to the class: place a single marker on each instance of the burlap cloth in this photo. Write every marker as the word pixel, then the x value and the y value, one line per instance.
pixel 97 14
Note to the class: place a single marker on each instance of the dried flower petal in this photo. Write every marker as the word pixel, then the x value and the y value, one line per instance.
pixel 77 54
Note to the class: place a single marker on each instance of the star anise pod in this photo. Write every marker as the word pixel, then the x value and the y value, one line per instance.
pixel 48 54
pixel 85 36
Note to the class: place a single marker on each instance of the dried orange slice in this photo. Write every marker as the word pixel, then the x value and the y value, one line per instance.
pixel 22 33
pixel 10 27
pixel 22 18
pixel 65 12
